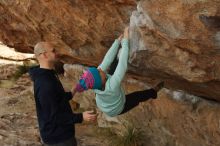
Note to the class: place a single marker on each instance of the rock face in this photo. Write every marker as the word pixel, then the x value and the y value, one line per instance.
pixel 188 121
pixel 87 27
pixel 11 55
pixel 178 37
pixel 178 41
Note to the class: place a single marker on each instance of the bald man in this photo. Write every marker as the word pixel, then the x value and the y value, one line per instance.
pixel 55 117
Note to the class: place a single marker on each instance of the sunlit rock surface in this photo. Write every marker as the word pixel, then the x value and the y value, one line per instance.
pixel 178 41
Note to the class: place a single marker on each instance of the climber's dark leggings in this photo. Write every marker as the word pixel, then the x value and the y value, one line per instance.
pixel 113 66
pixel 133 99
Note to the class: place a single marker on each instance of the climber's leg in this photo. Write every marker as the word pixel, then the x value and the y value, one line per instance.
pixel 133 99
pixel 113 66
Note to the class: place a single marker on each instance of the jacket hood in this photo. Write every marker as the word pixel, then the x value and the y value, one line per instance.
pixel 36 72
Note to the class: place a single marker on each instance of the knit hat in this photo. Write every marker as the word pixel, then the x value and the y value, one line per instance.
pixel 90 79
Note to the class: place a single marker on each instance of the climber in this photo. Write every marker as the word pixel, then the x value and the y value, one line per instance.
pixel 110 97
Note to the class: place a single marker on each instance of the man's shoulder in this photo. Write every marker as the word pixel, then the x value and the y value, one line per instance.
pixel 44 79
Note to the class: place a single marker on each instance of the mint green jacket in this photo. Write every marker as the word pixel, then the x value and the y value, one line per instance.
pixel 111 101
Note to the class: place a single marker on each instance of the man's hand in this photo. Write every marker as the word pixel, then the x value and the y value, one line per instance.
pixel 89 116
pixel 126 33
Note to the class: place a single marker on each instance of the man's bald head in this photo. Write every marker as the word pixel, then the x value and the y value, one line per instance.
pixel 42 47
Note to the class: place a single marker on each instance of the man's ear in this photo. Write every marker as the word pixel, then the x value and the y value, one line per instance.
pixel 45 55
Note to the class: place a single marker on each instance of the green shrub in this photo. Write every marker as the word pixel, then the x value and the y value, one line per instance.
pixel 131 136
pixel 22 69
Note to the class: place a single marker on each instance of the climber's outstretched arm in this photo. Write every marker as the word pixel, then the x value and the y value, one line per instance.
pixel 121 68
pixel 110 55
